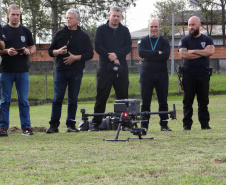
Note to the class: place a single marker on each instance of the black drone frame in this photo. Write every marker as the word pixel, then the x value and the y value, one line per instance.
pixel 124 117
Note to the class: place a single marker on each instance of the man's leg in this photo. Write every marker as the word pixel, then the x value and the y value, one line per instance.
pixel 189 83
pixel 60 85
pixel 7 80
pixel 104 84
pixel 147 87
pixel 75 78
pixel 203 100
pixel 22 87
pixel 161 86
pixel 121 84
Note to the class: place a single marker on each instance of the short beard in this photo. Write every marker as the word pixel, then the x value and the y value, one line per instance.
pixel 194 33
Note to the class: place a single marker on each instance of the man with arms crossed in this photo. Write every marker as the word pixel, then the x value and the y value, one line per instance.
pixel 195 50
pixel 154 51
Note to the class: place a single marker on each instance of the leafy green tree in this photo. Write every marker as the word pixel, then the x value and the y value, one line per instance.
pixel 164 10
pixel 211 17
pixel 208 7
pixel 45 17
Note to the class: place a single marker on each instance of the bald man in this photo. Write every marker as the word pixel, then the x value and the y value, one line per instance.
pixel 154 51
pixel 195 50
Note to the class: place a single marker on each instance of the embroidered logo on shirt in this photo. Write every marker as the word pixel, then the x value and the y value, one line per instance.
pixel 203 44
pixel 23 38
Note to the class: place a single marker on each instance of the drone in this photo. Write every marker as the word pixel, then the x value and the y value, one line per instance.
pixel 127 114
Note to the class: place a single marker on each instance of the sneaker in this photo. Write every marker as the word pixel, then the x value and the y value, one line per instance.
pixel 72 128
pixel 165 128
pixel 94 128
pixel 27 132
pixel 3 132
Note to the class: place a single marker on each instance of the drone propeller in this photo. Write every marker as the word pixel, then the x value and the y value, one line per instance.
pixel 167 120
pixel 139 121
pixel 78 121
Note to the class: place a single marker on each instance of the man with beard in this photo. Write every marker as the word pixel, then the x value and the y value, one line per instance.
pixel 195 50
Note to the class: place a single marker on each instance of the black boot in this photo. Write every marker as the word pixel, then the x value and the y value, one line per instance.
pixel 53 127
pixel 165 128
pixel 71 127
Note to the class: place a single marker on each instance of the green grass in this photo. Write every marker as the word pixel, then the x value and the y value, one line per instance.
pixel 177 157
pixel 88 87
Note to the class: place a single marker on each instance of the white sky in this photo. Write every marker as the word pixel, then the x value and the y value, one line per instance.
pixel 137 17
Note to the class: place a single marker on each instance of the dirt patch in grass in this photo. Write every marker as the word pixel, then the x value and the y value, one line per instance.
pixel 220 160
pixel 14 130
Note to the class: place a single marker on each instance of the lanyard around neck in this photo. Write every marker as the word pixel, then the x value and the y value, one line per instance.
pixel 153 48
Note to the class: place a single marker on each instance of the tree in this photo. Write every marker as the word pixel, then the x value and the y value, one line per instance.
pixel 220 3
pixel 164 10
pixel 210 15
pixel 41 16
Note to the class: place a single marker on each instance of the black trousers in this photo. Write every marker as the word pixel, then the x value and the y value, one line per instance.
pixel 159 81
pixel 106 79
pixel 196 85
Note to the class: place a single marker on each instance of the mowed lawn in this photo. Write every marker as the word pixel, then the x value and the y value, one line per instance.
pixel 177 157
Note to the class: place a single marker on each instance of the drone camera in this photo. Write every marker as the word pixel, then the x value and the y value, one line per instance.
pixel 139 131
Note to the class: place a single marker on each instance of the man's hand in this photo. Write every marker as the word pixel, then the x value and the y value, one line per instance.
pixel 62 50
pixel 116 62
pixel 207 51
pixel 12 52
pixel 71 58
pixel 27 51
pixel 112 56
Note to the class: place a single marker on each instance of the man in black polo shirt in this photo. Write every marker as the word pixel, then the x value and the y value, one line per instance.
pixel 19 45
pixel 195 50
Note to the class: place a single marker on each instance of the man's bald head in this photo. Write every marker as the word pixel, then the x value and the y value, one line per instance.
pixel 194 25
pixel 154 27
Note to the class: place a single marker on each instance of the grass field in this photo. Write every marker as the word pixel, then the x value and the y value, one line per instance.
pixel 177 157
pixel 88 87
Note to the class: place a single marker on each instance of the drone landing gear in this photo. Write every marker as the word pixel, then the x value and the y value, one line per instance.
pixel 117 134
pixel 136 131
pixel 139 132
pixel 139 137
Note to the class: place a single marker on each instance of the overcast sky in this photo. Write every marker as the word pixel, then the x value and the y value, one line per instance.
pixel 137 17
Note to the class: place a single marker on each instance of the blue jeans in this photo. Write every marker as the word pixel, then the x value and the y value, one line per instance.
pixel 22 86
pixel 72 79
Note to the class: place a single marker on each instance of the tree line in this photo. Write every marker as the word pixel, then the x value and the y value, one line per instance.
pixel 46 17
pixel 211 12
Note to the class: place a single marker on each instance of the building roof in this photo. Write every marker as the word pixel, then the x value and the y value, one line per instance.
pixel 216 32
